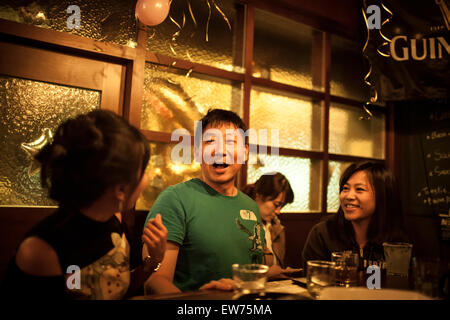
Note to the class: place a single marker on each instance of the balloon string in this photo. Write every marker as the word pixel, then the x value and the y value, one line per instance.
pixel 189 72
pixel 223 14
pixel 384 54
pixel 373 93
pixel 193 18
pixel 172 49
pixel 192 13
pixel 209 18
pixel 152 35
pixel 176 23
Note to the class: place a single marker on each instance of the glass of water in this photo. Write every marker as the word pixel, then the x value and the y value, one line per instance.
pixel 319 275
pixel 250 278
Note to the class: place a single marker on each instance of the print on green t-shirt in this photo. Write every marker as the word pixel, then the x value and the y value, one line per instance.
pixel 254 236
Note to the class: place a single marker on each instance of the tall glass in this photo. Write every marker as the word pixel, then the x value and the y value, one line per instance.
pixel 398 257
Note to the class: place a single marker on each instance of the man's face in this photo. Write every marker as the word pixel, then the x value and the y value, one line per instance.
pixel 223 153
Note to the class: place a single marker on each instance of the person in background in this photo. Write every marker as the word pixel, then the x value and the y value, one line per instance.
pixel 271 192
pixel 94 169
pixel 211 223
pixel 369 214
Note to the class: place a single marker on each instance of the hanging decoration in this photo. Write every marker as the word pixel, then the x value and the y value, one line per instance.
pixel 152 12
pixel 386 41
pixel 180 26
pixel 373 91
pixel 193 18
pixel 33 147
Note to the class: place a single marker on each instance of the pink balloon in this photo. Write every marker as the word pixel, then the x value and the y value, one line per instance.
pixel 152 12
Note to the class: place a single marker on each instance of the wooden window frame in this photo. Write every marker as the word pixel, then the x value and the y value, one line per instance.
pixel 134 60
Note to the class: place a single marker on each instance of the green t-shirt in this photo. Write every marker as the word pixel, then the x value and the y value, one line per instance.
pixel 213 231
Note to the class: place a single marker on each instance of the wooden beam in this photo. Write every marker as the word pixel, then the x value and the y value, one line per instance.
pixel 356 103
pixel 248 64
pixel 347 158
pixel 196 67
pixel 288 88
pixel 65 40
pixel 134 82
pixel 326 66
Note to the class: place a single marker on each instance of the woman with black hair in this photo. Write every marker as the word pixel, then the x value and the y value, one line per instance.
pixel 95 169
pixel 369 214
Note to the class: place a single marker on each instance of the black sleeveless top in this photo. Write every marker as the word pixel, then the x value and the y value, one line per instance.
pixel 94 258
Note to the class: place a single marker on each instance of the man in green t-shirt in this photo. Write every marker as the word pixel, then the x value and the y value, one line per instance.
pixel 211 224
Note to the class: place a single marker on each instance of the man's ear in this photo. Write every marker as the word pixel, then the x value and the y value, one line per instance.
pixel 119 192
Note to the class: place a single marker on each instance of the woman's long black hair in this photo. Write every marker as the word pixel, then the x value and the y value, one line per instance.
pixel 386 223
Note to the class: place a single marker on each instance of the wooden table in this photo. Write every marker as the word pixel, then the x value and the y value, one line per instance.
pixel 280 287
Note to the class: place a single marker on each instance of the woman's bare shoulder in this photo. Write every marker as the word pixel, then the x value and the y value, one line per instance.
pixel 36 257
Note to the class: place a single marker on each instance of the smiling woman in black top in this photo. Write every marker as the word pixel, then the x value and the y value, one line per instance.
pixel 369 214
pixel 94 169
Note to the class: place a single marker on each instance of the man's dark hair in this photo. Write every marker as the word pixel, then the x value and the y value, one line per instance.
pixel 216 117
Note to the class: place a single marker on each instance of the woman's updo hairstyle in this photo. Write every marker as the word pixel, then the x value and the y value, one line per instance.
pixel 90 153
pixel 269 186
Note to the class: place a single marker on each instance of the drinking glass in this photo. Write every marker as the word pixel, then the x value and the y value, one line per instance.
pixel 398 257
pixel 250 278
pixel 319 275
pixel 346 269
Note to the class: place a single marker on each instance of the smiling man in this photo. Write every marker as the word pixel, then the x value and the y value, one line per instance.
pixel 211 224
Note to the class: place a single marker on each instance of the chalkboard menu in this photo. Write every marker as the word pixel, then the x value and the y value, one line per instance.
pixel 424 155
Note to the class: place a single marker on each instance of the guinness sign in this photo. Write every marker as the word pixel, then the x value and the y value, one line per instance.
pixel 403 48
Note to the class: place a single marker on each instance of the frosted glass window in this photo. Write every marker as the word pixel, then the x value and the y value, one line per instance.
pixel 174 99
pixel 163 171
pixel 297 119
pixel 335 170
pixel 351 136
pixel 348 70
pixel 27 108
pixel 282 50
pixel 298 171
pixel 103 20
pixel 224 47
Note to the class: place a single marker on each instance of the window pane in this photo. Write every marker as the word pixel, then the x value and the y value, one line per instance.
pixel 347 70
pixel 335 170
pixel 103 20
pixel 283 50
pixel 298 119
pixel 173 100
pixel 163 171
pixel 303 175
pixel 222 50
pixel 27 108
pixel 351 136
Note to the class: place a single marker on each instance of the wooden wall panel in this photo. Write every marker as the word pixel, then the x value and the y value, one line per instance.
pixel 14 224
pixel 297 226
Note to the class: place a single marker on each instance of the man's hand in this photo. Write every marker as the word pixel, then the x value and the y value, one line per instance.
pixel 224 284
pixel 155 237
